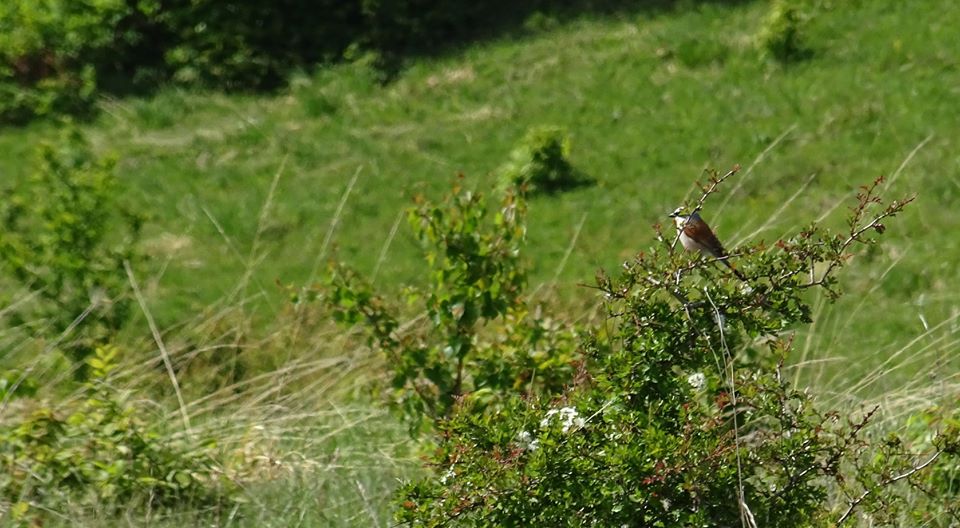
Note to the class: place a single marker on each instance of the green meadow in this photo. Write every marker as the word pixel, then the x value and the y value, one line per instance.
pixel 247 194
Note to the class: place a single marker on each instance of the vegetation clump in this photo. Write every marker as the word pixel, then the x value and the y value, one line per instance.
pixel 66 235
pixel 782 35
pixel 541 162
pixel 98 451
pixel 481 337
pixel 679 413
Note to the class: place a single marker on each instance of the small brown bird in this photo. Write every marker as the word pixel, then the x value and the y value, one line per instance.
pixel 696 235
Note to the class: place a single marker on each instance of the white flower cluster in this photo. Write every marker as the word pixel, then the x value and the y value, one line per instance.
pixel 567 416
pixel 448 475
pixel 697 380
pixel 527 442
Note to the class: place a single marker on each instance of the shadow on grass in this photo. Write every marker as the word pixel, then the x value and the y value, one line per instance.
pixel 576 180
pixel 397 31
pixel 256 46
pixel 509 19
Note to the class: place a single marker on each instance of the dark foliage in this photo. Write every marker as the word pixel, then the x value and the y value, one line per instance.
pixel 57 55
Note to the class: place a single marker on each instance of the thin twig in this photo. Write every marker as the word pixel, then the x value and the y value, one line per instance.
pixel 856 502
pixel 855 234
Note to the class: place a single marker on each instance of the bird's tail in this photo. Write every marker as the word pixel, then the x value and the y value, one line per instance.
pixel 735 271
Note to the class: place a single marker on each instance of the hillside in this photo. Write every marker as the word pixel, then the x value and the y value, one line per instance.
pixel 275 185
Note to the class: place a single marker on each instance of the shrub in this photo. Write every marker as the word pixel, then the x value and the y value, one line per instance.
pixel 541 162
pixel 672 423
pixel 782 33
pixel 65 236
pixel 56 55
pixel 481 337
pixel 53 51
pixel 98 452
pixel 247 45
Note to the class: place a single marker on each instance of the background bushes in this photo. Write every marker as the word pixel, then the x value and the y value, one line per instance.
pixel 251 45
pixel 55 55
pixel 47 54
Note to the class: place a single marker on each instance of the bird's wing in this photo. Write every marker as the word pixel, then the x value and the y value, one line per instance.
pixel 700 232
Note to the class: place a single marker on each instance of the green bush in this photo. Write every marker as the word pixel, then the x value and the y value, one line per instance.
pixel 43 48
pixel 782 33
pixel 481 338
pixel 942 483
pixel 246 45
pixel 398 26
pixel 56 55
pixel 681 416
pixel 696 52
pixel 541 162
pixel 97 452
pixel 66 234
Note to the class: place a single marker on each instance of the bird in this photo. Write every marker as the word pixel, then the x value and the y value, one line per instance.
pixel 696 235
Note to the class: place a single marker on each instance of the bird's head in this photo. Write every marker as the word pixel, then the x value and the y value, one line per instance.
pixel 683 216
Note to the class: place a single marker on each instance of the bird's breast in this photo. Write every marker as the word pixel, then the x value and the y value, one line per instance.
pixel 690 244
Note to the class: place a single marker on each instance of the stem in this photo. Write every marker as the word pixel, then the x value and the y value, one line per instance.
pixel 856 502
pixel 855 234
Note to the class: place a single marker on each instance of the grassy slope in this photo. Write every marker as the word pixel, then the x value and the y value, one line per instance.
pixel 650 100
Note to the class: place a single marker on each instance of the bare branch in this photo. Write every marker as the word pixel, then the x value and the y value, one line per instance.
pixel 857 231
pixel 856 502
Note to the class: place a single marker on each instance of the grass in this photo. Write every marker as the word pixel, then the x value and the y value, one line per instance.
pixel 243 191
pixel 302 437
pixel 333 469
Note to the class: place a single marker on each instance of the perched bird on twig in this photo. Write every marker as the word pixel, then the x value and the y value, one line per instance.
pixel 696 235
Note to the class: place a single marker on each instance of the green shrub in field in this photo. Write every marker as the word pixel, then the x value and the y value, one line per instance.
pixel 249 44
pixel 671 423
pixel 541 162
pixel 52 51
pixel 480 338
pixel 782 33
pixel 65 235
pixel 98 453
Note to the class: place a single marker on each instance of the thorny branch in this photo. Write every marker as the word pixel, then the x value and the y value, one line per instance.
pixel 915 469
pixel 866 196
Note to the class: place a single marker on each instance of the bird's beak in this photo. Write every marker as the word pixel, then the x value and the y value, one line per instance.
pixel 672 215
